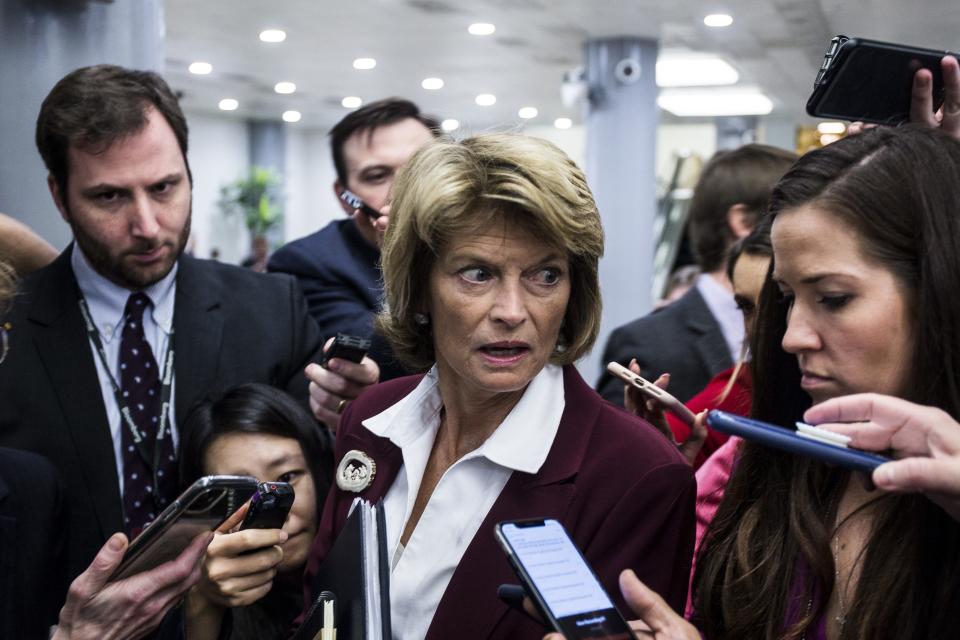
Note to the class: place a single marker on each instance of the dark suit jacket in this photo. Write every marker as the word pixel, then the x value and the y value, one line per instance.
pixel 339 273
pixel 33 528
pixel 620 489
pixel 682 339
pixel 230 326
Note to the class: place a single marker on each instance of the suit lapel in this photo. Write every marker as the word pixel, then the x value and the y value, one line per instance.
pixel 64 349
pixel 710 343
pixel 470 600
pixel 198 332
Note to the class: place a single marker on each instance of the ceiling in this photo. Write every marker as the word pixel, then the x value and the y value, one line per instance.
pixel 775 45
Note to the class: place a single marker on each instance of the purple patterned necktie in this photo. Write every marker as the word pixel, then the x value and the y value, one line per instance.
pixel 140 389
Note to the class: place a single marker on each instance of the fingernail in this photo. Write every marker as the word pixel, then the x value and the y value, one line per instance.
pixel 883 474
pixel 116 542
pixel 333 365
pixel 283 536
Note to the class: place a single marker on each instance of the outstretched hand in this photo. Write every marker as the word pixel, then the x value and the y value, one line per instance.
pixel 925 439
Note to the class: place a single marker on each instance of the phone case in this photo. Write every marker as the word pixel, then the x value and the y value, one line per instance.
pixel 785 439
pixel 653 391
pixel 201 508
pixel 842 91
pixel 269 506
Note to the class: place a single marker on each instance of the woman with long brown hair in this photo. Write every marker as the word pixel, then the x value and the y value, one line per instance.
pixel 861 295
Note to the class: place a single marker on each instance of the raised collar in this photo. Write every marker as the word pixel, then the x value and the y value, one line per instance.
pixel 521 442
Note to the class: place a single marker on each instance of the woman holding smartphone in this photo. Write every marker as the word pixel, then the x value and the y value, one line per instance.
pixel 861 296
pixel 255 574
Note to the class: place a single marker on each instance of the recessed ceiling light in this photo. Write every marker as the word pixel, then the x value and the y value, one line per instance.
pixel 563 123
pixel 718 20
pixel 291 116
pixel 486 99
pixel 481 29
pixel 687 69
pixel 715 102
pixel 364 63
pixel 351 102
pixel 432 84
pixel 273 35
pixel 835 128
pixel 450 124
pixel 228 104
pixel 527 112
pixel 285 87
pixel 200 68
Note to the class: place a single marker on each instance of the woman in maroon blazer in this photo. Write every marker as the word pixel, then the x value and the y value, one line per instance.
pixel 490 270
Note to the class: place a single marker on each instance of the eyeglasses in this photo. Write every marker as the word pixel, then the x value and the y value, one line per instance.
pixel 4 340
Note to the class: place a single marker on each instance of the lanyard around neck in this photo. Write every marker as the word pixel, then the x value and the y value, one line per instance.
pixel 126 417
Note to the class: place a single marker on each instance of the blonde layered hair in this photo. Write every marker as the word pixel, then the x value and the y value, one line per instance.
pixel 451 190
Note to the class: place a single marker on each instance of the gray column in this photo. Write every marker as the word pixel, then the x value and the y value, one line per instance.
pixel 735 131
pixel 43 40
pixel 268 145
pixel 620 165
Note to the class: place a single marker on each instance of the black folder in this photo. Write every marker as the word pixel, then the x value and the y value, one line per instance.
pixel 356 572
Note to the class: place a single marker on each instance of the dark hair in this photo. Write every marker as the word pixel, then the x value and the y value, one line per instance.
pixel 254 408
pixel 898 189
pixel 742 176
pixel 93 107
pixel 373 116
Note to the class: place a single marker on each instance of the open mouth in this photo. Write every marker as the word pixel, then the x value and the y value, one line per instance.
pixel 505 353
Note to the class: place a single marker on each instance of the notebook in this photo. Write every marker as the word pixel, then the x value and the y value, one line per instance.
pixel 356 576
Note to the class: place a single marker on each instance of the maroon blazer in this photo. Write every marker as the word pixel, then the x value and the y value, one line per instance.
pixel 620 488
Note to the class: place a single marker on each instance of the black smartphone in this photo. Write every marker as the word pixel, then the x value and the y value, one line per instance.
pixel 354 202
pixel 560 581
pixel 351 348
pixel 871 81
pixel 269 506
pixel 201 508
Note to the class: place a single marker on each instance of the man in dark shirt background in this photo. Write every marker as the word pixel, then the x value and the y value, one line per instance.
pixel 338 267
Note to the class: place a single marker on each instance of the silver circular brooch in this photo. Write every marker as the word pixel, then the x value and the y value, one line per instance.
pixel 356 471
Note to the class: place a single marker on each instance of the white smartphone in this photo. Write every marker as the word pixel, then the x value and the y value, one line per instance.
pixel 651 390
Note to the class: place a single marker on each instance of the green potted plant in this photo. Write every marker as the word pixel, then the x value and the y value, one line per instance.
pixel 256 199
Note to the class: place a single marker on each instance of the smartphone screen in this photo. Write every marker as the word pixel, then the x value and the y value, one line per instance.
pixel 552 566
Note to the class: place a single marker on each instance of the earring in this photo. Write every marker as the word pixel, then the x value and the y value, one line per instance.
pixel 421 318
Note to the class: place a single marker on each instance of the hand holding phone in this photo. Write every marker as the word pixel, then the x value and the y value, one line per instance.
pixel 805 441
pixel 201 508
pixel 652 391
pixel 560 581
pixel 347 347
pixel 873 81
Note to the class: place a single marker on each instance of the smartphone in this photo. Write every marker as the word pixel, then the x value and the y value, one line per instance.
pixel 805 442
pixel 354 202
pixel 351 348
pixel 200 509
pixel 651 390
pixel 269 506
pixel 871 81
pixel 560 581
